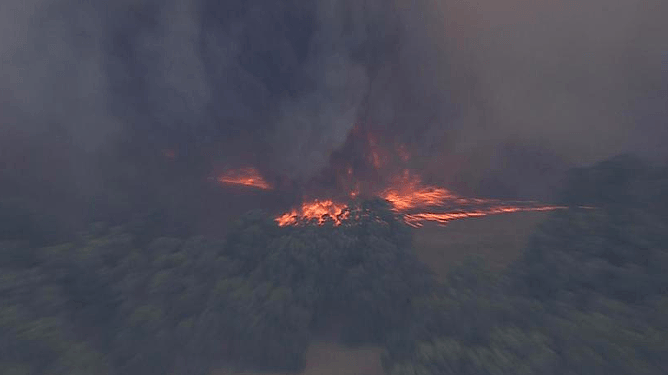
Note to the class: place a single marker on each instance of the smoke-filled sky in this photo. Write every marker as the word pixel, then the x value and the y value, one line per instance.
pixel 476 89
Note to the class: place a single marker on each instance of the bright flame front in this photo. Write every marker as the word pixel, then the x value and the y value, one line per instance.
pixel 417 220
pixel 320 211
pixel 408 196
pixel 246 177
pixel 416 203
pixel 408 193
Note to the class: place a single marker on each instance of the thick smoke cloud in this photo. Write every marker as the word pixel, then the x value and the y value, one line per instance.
pixel 485 94
pixel 275 84
pixel 279 78
pixel 290 79
pixel 53 70
pixel 566 82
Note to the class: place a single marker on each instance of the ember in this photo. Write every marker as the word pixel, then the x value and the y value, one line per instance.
pixel 320 211
pixel 417 220
pixel 417 204
pixel 246 177
pixel 406 193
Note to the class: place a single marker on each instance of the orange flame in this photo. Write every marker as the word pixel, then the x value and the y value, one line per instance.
pixel 246 177
pixel 315 210
pixel 417 220
pixel 409 196
pixel 416 202
pixel 409 193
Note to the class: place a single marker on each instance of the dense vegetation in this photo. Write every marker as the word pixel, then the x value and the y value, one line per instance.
pixel 589 296
pixel 108 304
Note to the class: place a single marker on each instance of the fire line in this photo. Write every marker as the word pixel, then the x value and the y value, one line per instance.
pixel 416 203
pixel 246 177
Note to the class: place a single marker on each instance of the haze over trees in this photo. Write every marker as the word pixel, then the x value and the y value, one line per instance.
pixel 587 297
pixel 118 118
pixel 108 303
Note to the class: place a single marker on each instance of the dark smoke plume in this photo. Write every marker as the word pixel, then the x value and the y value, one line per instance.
pixel 494 97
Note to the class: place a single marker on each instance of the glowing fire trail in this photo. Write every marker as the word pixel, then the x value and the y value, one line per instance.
pixel 328 210
pixel 416 203
pixel 246 177
pixel 418 220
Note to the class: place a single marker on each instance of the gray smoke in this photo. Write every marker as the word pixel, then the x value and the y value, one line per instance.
pixel 53 70
pixel 280 84
pixel 584 80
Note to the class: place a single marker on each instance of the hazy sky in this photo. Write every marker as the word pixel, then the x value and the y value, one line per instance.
pixel 280 84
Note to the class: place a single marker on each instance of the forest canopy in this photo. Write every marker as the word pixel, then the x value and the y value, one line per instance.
pixel 587 297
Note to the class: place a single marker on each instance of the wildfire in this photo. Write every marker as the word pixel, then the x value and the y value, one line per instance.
pixel 407 193
pixel 417 220
pixel 315 210
pixel 413 200
pixel 416 203
pixel 246 177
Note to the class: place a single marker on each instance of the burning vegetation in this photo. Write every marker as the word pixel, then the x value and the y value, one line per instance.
pixel 246 177
pixel 320 211
pixel 415 203
pixel 364 169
